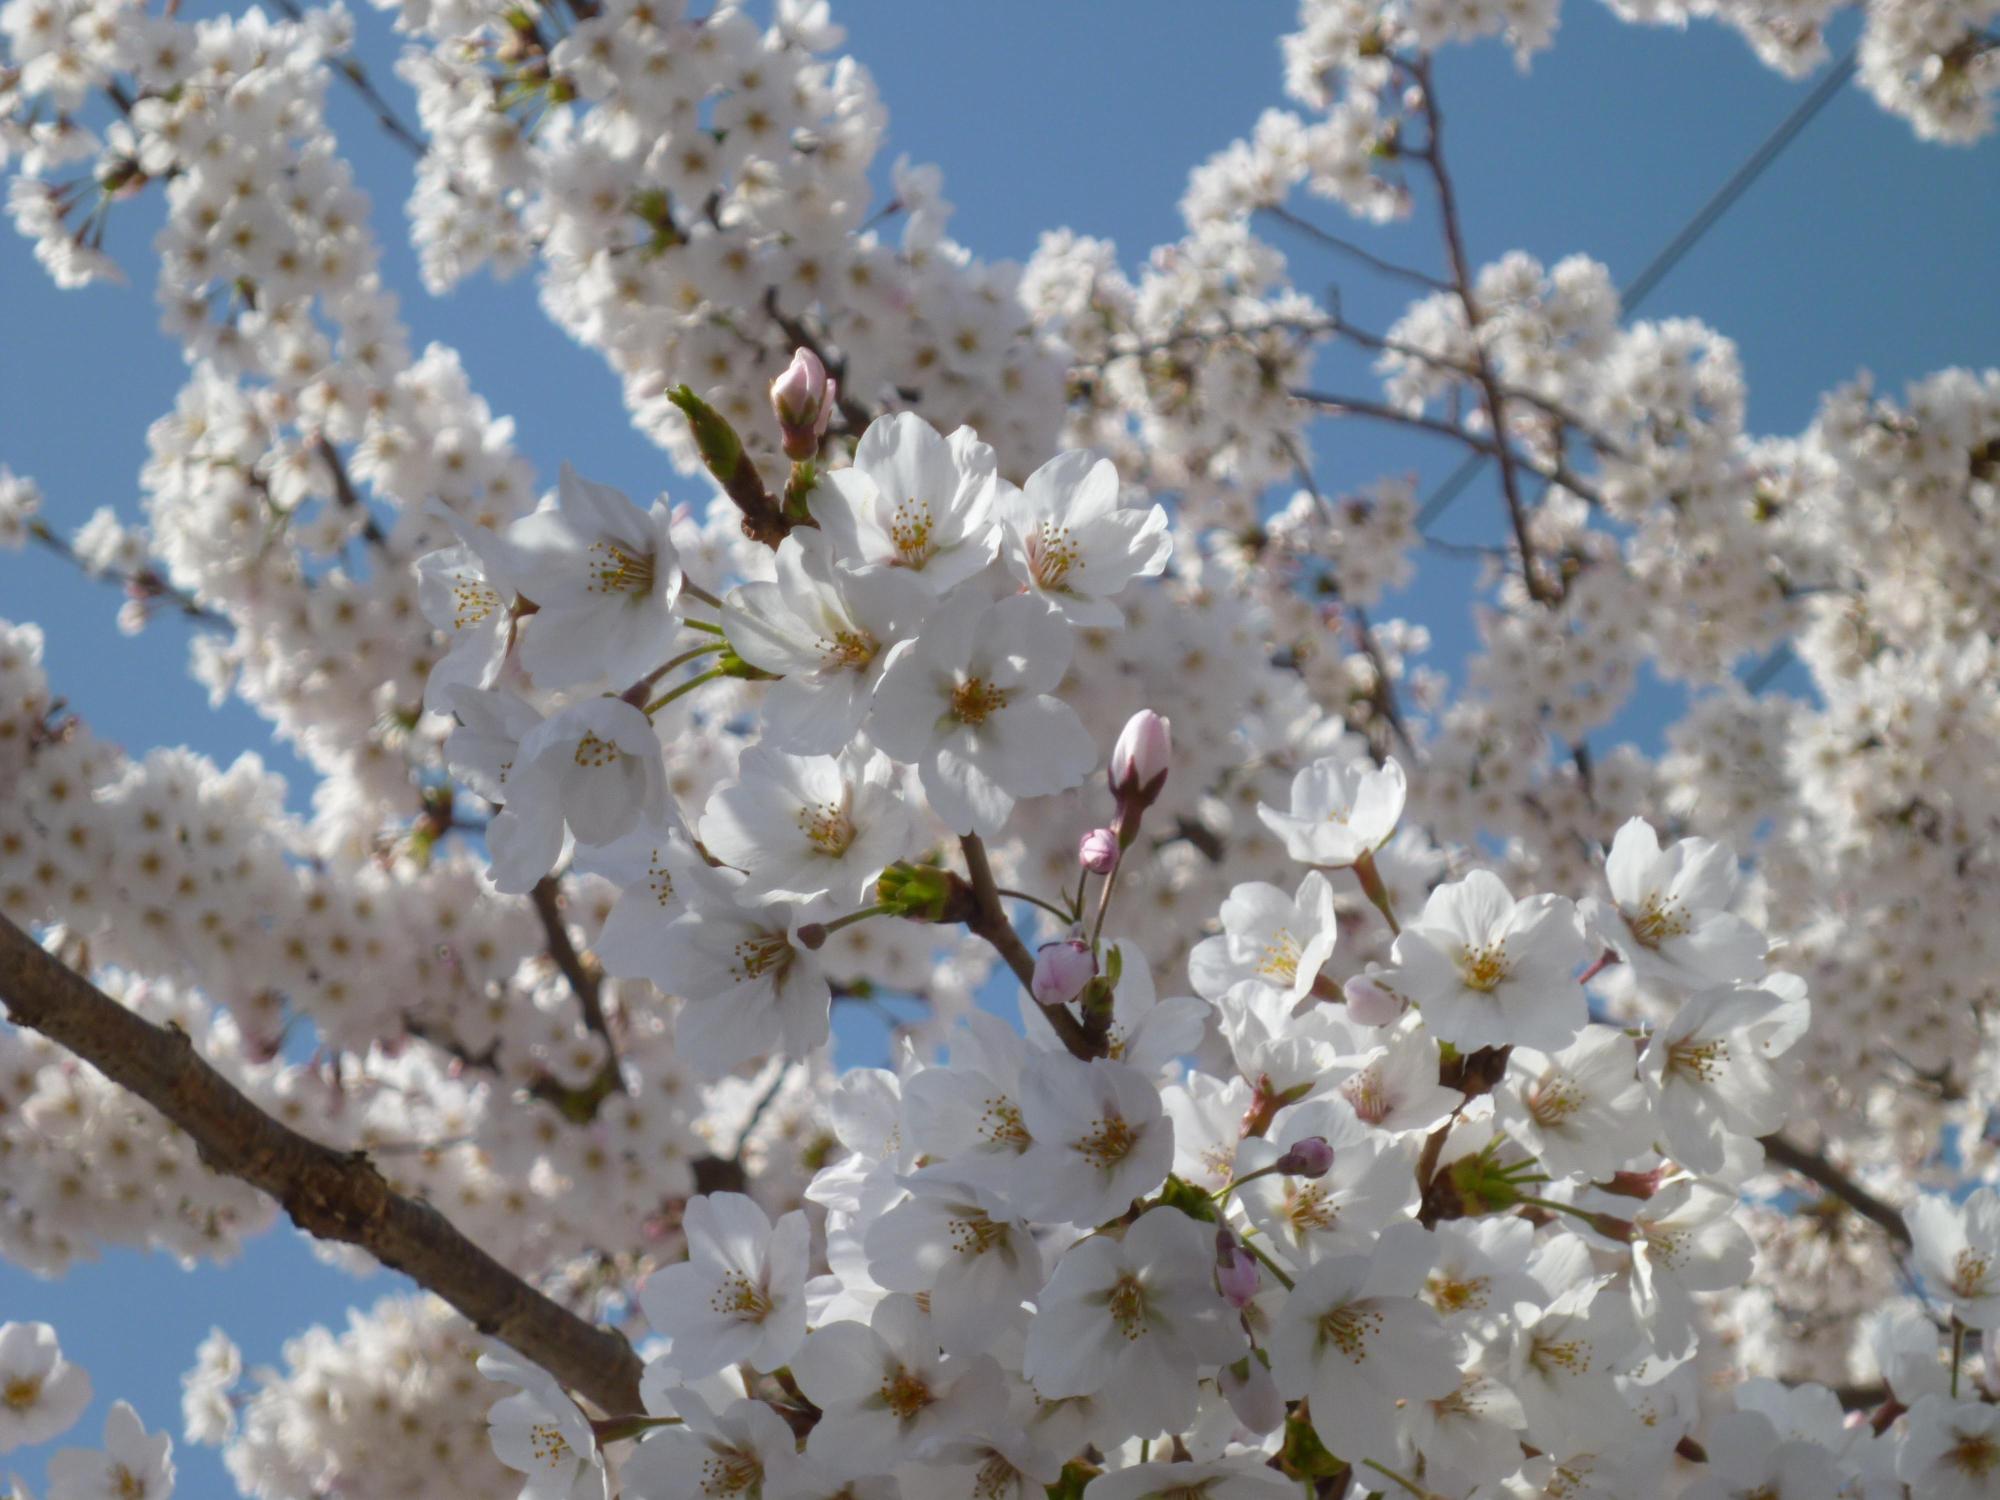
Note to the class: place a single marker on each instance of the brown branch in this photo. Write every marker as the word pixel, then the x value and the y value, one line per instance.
pixel 1461 275
pixel 1814 1167
pixel 1347 247
pixel 988 920
pixel 345 495
pixel 332 1195
pixel 586 984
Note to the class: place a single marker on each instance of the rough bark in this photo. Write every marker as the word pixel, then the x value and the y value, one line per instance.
pixel 333 1195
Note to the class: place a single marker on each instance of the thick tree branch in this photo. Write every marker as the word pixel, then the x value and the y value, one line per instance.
pixel 1817 1169
pixel 332 1195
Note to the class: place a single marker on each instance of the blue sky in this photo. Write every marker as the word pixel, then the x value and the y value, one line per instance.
pixel 1861 248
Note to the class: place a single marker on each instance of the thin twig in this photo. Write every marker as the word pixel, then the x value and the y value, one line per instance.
pixel 583 980
pixel 1348 248
pixel 1814 1167
pixel 1461 274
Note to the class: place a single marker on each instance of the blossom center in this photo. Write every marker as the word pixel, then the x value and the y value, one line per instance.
pixel 1969 1271
pixel 827 828
pixel 472 601
pixel 997 1479
pixel 847 651
pixel 1000 1122
pixel 757 956
pixel 905 1394
pixel 616 569
pixel 910 533
pixel 1565 1356
pixel 1553 1100
pixel 1127 1305
pixel 737 1296
pixel 1109 1143
pixel 129 1486
pixel 1307 1208
pixel 730 1472
pixel 593 753
pixel 1280 958
pixel 976 700
pixel 21 1392
pixel 1974 1454
pixel 1052 554
pixel 1660 918
pixel 1368 1096
pixel 976 1235
pixel 1348 1328
pixel 1484 967
pixel 547 1444
pixel 1450 1295
pixel 1701 1061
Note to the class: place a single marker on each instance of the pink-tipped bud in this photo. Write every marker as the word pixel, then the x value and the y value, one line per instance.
pixel 1238 1281
pixel 1097 851
pixel 1311 1157
pixel 1370 1003
pixel 1140 759
pixel 1236 1275
pixel 1252 1394
pixel 1062 969
pixel 802 400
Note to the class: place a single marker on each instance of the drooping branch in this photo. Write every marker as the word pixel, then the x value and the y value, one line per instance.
pixel 332 1195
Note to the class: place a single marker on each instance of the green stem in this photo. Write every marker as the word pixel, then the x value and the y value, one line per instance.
pixel 1046 906
pixel 1104 904
pixel 686 687
pixel 1376 892
pixel 1957 1352
pixel 1269 1264
pixel 1409 1484
pixel 707 626
pixel 695 591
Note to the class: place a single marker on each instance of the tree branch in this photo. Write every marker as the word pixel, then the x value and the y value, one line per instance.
pixel 1816 1168
pixel 1461 275
pixel 584 983
pixel 332 1195
pixel 989 921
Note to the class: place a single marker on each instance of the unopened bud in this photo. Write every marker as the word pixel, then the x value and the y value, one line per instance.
pixel 1635 1184
pixel 1236 1275
pixel 1097 851
pixel 1252 1394
pixel 1311 1157
pixel 1140 758
pixel 1370 1003
pixel 802 400
pixel 1062 969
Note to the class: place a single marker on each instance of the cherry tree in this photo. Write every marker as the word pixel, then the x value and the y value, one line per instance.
pixel 1314 1073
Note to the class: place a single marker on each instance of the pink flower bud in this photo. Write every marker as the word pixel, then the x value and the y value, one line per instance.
pixel 1062 969
pixel 1097 851
pixel 1369 1003
pixel 1140 759
pixel 1236 1277
pixel 1311 1157
pixel 802 399
pixel 1252 1394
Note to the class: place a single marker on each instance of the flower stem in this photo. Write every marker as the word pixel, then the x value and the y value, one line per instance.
pixel 1046 906
pixel 686 687
pixel 1269 1264
pixel 1408 1484
pixel 1376 892
pixel 709 626
pixel 695 591
pixel 1957 1352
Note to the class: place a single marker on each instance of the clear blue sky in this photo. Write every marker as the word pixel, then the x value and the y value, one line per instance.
pixel 1860 248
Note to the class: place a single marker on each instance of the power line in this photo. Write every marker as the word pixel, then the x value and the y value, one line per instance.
pixel 1704 219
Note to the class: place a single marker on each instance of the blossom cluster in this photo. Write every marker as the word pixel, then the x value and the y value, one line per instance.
pixel 1398 1057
